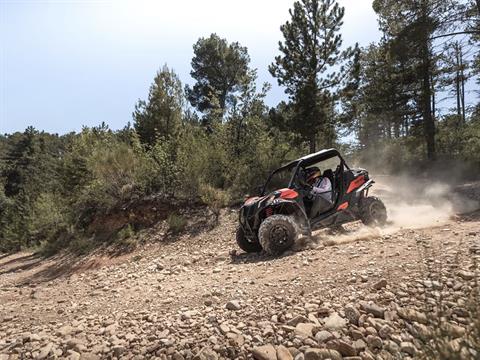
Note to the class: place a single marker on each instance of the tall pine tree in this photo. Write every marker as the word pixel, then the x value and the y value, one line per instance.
pixel 161 115
pixel 313 67
pixel 221 71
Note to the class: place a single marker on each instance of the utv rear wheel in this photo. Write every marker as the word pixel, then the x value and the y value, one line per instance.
pixel 245 244
pixel 277 233
pixel 373 212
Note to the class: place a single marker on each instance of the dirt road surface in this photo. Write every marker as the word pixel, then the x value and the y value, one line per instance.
pixel 367 294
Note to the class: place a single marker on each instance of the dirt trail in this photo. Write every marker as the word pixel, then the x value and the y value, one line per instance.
pixel 200 298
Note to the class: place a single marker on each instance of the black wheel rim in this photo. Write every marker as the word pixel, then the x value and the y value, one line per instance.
pixel 279 235
pixel 377 212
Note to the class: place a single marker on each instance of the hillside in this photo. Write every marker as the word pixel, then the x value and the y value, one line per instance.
pixel 366 294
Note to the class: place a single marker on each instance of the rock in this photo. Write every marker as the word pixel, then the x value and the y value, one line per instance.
pixel 118 350
pixel 233 305
pixel 76 345
pixel 359 345
pixel 454 330
pixel 344 348
pixel 265 352
pixel 334 321
pixel 374 342
pixel 391 347
pixel 323 336
pixel 206 354
pixel 412 315
pixel 385 331
pixel 188 314
pixel 45 351
pixel 72 355
pixel 466 275
pixel 322 354
pixel 408 347
pixel 373 309
pixel 236 340
pixel 380 284
pixel 304 329
pixel 177 356
pixel 283 353
pixel 65 330
pixel 300 356
pixel 352 314
pixel 224 328
pixel 297 320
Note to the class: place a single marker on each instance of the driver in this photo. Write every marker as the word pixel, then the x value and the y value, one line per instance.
pixel 320 185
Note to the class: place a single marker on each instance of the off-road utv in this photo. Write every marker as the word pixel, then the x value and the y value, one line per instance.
pixel 285 208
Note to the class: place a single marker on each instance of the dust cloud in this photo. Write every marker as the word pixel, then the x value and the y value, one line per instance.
pixel 411 204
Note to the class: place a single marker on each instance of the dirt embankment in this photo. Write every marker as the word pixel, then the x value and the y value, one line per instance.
pixel 366 294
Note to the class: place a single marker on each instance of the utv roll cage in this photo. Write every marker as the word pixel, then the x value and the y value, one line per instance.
pixel 305 161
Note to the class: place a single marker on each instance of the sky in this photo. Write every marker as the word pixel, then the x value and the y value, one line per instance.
pixel 69 63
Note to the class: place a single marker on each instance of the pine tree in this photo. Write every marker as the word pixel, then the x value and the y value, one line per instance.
pixel 313 67
pixel 220 70
pixel 411 27
pixel 161 115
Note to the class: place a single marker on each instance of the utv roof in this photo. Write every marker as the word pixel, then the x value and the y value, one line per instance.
pixel 314 158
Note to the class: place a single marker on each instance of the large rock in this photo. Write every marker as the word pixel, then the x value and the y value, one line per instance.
pixel 335 321
pixel 373 309
pixel 233 305
pixel 466 275
pixel 380 284
pixel 265 352
pixel 323 336
pixel 408 347
pixel 412 315
pixel 344 348
pixel 283 353
pixel 322 354
pixel 352 314
pixel 304 329
pixel 45 351
pixel 374 342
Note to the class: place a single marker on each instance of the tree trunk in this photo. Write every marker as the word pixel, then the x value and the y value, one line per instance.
pixel 457 80
pixel 462 81
pixel 433 98
pixel 428 120
pixel 426 92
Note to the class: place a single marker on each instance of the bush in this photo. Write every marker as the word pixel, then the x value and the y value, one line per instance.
pixel 214 198
pixel 176 223
pixel 126 238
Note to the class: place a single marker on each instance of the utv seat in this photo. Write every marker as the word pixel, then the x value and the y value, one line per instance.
pixel 328 173
pixel 320 204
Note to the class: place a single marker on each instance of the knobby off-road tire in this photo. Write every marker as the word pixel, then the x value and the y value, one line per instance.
pixel 373 211
pixel 277 233
pixel 245 244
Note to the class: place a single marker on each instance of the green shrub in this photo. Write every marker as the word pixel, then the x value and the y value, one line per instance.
pixel 126 238
pixel 81 245
pixel 214 198
pixel 176 223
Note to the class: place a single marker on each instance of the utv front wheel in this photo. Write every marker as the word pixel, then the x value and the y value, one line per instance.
pixel 373 212
pixel 245 244
pixel 277 233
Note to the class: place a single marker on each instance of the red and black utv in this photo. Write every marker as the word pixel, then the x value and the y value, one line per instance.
pixel 285 208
